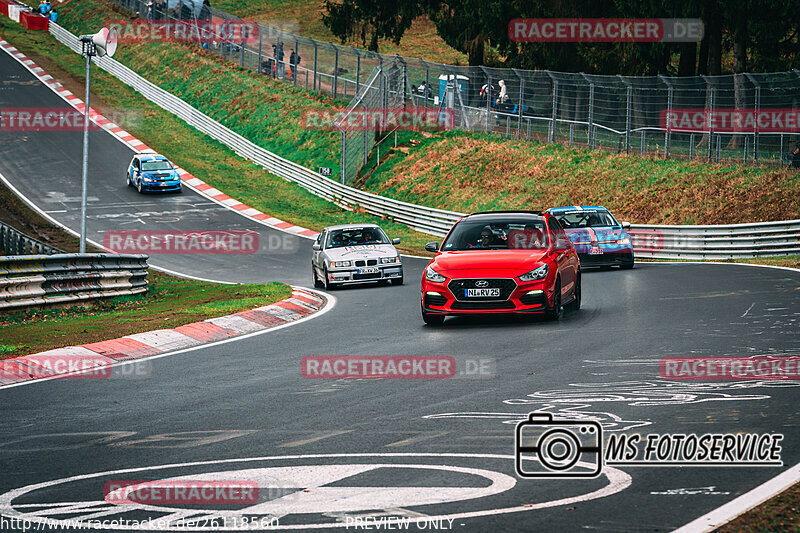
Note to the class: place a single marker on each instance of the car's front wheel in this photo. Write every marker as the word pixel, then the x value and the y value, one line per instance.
pixel 432 319
pixel 314 278
pixel 329 285
pixel 575 304
pixel 557 310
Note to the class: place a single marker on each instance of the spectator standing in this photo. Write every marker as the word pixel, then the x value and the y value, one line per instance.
pixel 294 60
pixel 279 60
pixel 53 15
pixel 502 97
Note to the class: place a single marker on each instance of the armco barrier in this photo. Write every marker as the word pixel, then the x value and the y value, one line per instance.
pixel 35 280
pixel 14 242
pixel 747 240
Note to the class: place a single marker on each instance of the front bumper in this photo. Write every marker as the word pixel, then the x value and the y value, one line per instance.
pixel 526 298
pixel 611 256
pixel 352 275
pixel 167 186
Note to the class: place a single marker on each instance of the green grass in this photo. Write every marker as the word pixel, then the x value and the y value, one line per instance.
pixel 207 159
pixel 474 172
pixel 169 302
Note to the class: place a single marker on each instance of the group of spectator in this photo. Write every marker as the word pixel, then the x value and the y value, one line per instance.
pixel 46 9
pixel 160 10
pixel 276 67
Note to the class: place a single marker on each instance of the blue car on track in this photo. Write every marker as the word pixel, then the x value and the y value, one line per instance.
pixel 599 239
pixel 152 172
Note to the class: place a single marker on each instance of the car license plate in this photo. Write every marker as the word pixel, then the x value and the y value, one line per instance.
pixel 371 270
pixel 596 251
pixel 482 293
pixel 165 184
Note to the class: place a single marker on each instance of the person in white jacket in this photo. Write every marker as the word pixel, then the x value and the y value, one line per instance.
pixel 502 97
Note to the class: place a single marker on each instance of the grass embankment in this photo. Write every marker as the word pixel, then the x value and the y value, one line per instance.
pixel 169 301
pixel 304 17
pixel 452 170
pixel 202 156
pixel 778 514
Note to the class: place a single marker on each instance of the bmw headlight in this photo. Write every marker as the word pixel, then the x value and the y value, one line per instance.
pixel 536 273
pixel 340 264
pixel 394 259
pixel 432 275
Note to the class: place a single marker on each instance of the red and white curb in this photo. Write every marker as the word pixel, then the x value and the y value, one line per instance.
pixel 62 362
pixel 138 146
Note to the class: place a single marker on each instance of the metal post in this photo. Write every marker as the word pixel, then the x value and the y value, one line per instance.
pixel 260 57
pixel 780 153
pixel 315 63
pixel 521 101
pixel 552 136
pixel 335 70
pixel 628 109
pixel 297 61
pixel 643 142
pixel 758 108
pixel 489 94
pixel 358 70
pixel 89 51
pixel 710 130
pixel 691 146
pixel 667 132
pixel 719 144
pixel 427 82
pixel 366 146
pixel 344 154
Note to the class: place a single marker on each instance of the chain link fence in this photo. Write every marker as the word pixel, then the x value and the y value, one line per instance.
pixel 615 113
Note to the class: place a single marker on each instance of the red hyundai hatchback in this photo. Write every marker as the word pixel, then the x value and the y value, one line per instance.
pixel 502 262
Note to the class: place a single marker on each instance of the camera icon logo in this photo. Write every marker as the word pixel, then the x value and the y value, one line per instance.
pixel 547 448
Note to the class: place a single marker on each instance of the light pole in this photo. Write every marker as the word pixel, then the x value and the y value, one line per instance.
pixel 100 44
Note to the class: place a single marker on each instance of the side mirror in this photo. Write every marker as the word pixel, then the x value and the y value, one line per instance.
pixel 316 247
pixel 395 241
pixel 432 247
pixel 626 226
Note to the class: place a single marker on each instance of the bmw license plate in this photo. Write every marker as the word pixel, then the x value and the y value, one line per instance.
pixel 370 270
pixel 596 251
pixel 482 293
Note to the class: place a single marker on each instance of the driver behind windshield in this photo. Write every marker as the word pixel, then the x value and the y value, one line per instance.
pixel 484 241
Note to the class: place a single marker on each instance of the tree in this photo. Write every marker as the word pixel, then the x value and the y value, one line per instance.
pixel 370 18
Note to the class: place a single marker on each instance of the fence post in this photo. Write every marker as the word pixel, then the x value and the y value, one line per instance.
pixel 358 70
pixel 628 109
pixel 521 100
pixel 758 108
pixel 589 138
pixel 709 109
pixel 315 62
pixel 667 132
pixel 335 69
pixel 551 134
pixel 488 92
pixel 644 141
pixel 427 82
pixel 259 51
pixel 344 155
pixel 691 146
pixel 297 61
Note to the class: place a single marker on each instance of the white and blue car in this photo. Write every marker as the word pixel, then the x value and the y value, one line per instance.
pixel 355 253
pixel 152 172
pixel 599 239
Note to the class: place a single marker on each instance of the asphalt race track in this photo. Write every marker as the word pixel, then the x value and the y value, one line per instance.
pixel 389 448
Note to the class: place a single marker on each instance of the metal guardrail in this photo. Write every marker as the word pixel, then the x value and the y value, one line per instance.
pixel 35 280
pixel 694 241
pixel 14 242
